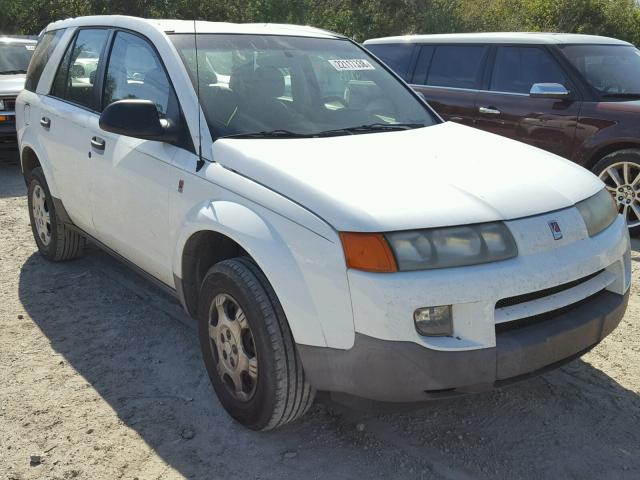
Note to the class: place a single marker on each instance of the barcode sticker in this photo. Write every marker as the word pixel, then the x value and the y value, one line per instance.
pixel 351 65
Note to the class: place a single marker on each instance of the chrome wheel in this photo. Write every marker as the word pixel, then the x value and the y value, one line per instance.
pixel 233 348
pixel 623 182
pixel 41 215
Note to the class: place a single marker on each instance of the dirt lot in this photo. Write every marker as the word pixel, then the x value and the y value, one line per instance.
pixel 101 377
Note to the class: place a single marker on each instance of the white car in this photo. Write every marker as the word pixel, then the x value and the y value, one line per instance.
pixel 339 238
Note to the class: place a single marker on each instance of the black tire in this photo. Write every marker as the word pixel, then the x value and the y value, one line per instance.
pixel 632 157
pixel 64 242
pixel 281 393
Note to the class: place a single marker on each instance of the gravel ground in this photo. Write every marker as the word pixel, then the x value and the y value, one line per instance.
pixel 101 378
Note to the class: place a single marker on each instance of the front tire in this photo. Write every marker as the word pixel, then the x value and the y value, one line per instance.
pixel 620 171
pixel 56 241
pixel 248 348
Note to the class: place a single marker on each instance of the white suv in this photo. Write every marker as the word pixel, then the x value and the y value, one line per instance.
pixel 327 229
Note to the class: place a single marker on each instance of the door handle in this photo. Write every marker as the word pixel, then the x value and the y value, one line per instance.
pixel 489 110
pixel 45 122
pixel 98 143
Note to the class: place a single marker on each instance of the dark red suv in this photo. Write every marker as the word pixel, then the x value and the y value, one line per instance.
pixel 574 95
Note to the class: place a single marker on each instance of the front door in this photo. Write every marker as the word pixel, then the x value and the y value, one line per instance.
pixel 507 109
pixel 130 189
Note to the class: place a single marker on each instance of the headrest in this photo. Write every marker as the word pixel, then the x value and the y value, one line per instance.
pixel 264 81
pixel 270 81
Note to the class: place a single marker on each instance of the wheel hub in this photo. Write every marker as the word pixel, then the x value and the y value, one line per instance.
pixel 233 347
pixel 622 180
pixel 41 215
pixel 229 348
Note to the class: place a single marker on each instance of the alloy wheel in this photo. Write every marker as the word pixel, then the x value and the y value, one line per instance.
pixel 233 347
pixel 41 214
pixel 622 180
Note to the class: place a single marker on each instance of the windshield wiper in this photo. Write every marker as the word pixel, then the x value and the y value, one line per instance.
pixel 12 72
pixel 371 127
pixel 279 133
pixel 621 95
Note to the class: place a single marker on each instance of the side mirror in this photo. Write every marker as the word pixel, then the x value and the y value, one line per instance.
pixel 137 119
pixel 549 90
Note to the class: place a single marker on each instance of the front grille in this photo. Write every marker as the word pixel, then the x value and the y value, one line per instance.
pixel 9 104
pixel 543 317
pixel 528 297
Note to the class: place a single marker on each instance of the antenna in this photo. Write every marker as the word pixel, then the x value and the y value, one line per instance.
pixel 200 163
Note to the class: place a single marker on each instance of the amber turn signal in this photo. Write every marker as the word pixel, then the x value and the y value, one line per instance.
pixel 368 251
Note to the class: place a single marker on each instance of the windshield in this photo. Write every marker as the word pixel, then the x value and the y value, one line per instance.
pixel 613 70
pixel 14 57
pixel 256 85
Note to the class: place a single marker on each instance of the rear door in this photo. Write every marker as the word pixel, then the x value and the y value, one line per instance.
pixel 63 119
pixel 449 77
pixel 506 108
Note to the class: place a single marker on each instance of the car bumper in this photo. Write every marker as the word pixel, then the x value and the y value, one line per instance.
pixel 395 371
pixel 8 131
pixel 554 301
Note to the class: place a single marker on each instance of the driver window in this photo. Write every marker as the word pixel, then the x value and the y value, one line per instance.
pixel 135 72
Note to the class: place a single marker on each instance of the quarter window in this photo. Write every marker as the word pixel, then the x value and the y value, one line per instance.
pixel 76 79
pixel 458 66
pixel 134 71
pixel 44 50
pixel 516 69
pixel 397 57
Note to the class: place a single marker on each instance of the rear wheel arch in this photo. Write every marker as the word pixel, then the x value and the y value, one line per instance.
pixel 29 161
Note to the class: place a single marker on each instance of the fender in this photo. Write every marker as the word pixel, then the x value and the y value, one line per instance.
pixel 313 291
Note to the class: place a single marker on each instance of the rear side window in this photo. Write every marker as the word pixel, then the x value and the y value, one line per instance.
pixel 458 66
pixel 76 79
pixel 44 50
pixel 135 71
pixel 516 69
pixel 397 57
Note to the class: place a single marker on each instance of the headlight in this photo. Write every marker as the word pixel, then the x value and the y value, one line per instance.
pixel 452 247
pixel 1 104
pixel 598 212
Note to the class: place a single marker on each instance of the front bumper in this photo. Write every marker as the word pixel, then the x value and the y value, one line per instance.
pixel 8 130
pixel 400 371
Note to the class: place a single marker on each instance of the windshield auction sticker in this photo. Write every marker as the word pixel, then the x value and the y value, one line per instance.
pixel 351 65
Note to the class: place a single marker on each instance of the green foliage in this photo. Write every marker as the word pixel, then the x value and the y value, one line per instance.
pixel 359 19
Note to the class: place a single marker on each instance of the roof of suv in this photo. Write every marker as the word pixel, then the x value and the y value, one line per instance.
pixel 186 26
pixel 504 37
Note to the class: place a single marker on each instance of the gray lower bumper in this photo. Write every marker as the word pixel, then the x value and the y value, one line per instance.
pixel 406 372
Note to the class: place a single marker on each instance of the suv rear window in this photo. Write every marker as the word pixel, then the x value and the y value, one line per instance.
pixel 396 56
pixel 44 50
pixel 458 66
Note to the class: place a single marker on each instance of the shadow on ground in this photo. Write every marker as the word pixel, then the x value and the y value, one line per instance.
pixel 11 185
pixel 136 348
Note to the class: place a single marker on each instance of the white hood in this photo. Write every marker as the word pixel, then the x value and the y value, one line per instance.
pixel 11 84
pixel 443 175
